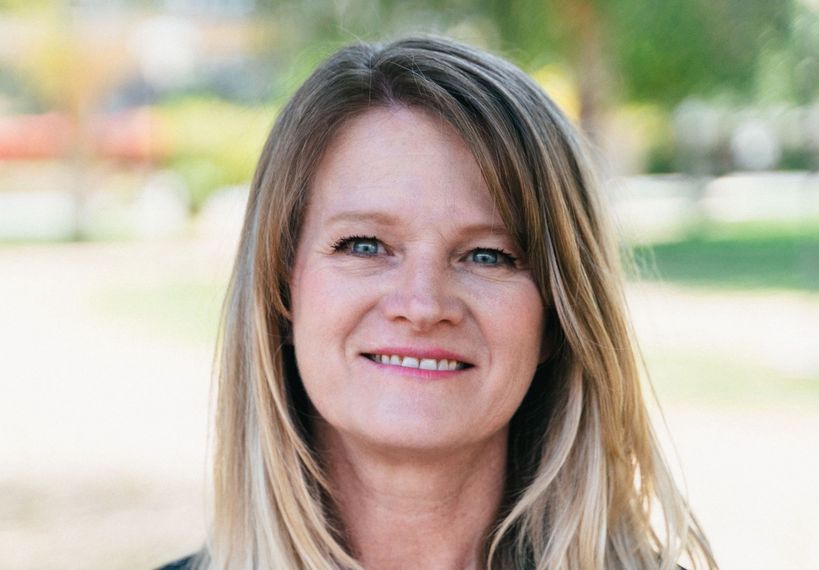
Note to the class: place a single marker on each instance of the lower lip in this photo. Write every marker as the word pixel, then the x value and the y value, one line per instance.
pixel 416 372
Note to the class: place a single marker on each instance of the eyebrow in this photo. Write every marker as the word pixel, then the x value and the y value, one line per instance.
pixel 382 218
pixel 388 219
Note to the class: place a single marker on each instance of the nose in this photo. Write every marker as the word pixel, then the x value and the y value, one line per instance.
pixel 423 295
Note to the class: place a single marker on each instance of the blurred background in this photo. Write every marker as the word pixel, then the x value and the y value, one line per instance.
pixel 129 131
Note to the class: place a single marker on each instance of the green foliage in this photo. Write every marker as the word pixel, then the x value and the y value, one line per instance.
pixel 655 51
pixel 804 49
pixel 799 159
pixel 660 159
pixel 214 143
pixel 23 6
pixel 659 51
pixel 668 50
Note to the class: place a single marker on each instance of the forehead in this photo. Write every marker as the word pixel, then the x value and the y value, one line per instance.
pixel 405 162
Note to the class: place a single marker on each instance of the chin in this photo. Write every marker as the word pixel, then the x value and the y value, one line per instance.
pixel 415 435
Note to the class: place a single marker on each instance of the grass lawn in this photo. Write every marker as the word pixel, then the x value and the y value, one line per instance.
pixel 182 310
pixel 697 377
pixel 737 257
pixel 730 260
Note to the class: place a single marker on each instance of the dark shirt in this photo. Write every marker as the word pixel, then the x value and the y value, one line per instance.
pixel 185 564
pixel 181 564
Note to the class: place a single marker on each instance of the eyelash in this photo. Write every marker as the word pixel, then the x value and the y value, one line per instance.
pixel 345 242
pixel 342 244
pixel 506 258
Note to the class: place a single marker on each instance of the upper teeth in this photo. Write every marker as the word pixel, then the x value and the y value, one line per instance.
pixel 422 363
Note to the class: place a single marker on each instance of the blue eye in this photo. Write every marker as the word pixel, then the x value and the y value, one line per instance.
pixel 358 245
pixel 364 246
pixel 491 257
pixel 485 256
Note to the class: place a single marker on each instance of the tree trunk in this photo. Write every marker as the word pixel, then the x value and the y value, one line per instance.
pixel 585 36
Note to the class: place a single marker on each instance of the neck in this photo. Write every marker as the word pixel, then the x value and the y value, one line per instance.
pixel 405 510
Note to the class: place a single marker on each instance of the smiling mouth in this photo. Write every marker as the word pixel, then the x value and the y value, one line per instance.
pixel 419 363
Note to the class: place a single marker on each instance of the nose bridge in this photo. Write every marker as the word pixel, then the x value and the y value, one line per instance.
pixel 424 271
pixel 424 293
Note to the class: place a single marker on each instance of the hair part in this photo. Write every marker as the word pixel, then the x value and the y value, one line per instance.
pixel 585 472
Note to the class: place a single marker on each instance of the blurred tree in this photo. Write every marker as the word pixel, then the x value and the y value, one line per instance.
pixel 18 6
pixel 66 72
pixel 574 31
pixel 788 71
pixel 642 50
pixel 669 51
pixel 213 143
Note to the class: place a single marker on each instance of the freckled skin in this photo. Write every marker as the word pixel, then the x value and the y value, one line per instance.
pixel 419 283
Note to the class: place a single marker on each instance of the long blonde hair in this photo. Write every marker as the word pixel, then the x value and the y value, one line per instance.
pixel 585 474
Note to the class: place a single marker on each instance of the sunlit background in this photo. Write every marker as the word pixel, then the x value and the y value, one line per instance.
pixel 129 131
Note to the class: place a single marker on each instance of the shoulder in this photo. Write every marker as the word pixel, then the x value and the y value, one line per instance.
pixel 181 564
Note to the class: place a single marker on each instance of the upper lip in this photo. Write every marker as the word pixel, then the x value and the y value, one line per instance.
pixel 419 353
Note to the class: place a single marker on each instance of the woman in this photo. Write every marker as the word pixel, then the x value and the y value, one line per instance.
pixel 426 361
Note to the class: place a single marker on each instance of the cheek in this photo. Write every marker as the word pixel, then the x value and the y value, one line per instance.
pixel 326 311
pixel 318 298
pixel 312 309
pixel 513 325
pixel 513 319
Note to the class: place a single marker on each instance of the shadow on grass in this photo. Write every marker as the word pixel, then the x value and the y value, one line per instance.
pixel 736 258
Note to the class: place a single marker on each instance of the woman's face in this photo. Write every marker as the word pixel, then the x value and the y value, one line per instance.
pixel 414 325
